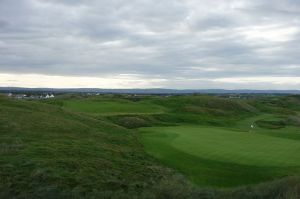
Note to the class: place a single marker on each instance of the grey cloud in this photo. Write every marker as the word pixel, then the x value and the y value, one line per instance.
pixel 165 39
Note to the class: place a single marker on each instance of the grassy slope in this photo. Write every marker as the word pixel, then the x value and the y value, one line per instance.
pixel 46 151
pixel 204 110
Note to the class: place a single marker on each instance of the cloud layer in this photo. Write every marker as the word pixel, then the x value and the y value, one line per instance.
pixel 171 43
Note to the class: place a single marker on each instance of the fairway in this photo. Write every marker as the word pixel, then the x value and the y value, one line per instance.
pixel 117 107
pixel 197 151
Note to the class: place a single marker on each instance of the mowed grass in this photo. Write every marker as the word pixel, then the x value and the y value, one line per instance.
pixel 113 107
pixel 213 156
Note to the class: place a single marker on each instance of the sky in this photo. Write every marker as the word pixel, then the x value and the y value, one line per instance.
pixel 181 44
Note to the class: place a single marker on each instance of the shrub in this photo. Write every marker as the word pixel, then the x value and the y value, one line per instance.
pixel 274 124
pixel 132 122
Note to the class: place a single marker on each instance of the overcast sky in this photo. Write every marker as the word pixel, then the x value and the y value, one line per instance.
pixel 230 44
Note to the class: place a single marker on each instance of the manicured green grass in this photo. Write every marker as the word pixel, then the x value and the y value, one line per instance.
pixel 112 107
pixel 208 155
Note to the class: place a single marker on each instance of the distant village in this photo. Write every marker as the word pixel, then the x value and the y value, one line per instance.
pixel 50 95
pixel 31 96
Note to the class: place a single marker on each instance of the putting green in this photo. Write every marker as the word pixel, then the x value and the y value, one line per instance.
pixel 215 149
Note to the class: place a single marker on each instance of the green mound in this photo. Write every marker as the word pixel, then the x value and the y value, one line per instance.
pixel 271 124
pixel 132 122
pixel 46 151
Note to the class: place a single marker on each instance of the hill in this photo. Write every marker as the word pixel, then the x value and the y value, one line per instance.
pixel 47 151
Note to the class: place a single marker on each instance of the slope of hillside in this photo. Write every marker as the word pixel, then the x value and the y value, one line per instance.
pixel 47 151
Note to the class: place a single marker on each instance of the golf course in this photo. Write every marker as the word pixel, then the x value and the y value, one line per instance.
pixel 129 146
pixel 243 146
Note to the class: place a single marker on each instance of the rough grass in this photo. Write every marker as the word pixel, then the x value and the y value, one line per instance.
pixel 46 151
pixel 271 124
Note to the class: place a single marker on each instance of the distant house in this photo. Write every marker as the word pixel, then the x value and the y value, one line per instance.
pixel 9 94
pixel 20 96
pixel 47 96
